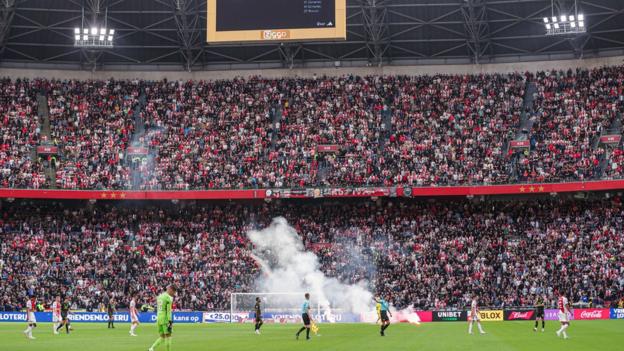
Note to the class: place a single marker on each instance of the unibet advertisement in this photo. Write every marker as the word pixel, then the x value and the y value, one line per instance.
pixel 449 316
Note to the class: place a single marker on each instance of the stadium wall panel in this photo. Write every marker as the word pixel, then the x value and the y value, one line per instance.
pixel 616 313
pixel 309 193
pixel 553 315
pixel 449 316
pixel 591 313
pixel 491 315
pixel 520 314
pixel 154 73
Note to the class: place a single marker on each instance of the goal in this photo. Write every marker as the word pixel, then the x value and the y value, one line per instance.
pixel 287 305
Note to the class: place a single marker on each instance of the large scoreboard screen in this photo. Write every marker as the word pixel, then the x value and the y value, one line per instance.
pixel 276 20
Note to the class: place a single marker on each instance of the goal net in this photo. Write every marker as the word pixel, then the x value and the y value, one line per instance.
pixel 279 307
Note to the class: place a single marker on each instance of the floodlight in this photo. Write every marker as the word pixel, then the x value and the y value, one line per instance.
pixel 94 35
pixel 565 24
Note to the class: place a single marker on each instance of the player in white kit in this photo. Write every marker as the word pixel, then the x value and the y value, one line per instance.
pixel 31 306
pixel 134 316
pixel 474 316
pixel 56 313
pixel 564 315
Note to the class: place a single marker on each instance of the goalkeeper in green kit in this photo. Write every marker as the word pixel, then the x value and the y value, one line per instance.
pixel 164 319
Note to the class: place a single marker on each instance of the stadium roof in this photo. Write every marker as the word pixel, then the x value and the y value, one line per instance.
pixel 170 35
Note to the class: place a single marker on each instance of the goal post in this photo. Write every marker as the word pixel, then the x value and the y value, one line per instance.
pixel 271 303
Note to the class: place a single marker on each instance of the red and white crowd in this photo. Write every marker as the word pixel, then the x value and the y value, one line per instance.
pixel 573 109
pixel 91 122
pixel 20 135
pixel 429 255
pixel 319 131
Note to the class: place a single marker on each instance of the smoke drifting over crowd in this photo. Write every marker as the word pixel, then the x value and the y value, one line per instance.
pixel 288 268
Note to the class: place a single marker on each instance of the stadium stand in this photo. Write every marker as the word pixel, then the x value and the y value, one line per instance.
pixel 348 131
pixel 92 123
pixel 20 132
pixel 573 108
pixel 427 254
pixel 295 132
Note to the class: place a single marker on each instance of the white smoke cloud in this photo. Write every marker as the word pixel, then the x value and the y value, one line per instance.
pixel 288 268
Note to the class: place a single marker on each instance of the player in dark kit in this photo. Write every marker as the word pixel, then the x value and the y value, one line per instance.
pixel 111 308
pixel 539 312
pixel 306 317
pixel 258 315
pixel 65 306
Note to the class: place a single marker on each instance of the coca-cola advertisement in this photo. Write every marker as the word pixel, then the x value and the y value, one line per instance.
pixel 591 313
pixel 520 315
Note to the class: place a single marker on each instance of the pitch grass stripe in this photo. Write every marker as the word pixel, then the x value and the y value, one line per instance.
pixel 601 335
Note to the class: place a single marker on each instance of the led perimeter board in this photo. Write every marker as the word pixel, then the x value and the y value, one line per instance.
pixel 236 21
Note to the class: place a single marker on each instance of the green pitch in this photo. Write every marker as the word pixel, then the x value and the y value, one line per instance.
pixel 501 336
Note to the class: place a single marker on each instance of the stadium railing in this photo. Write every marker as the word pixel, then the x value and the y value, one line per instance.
pixel 309 193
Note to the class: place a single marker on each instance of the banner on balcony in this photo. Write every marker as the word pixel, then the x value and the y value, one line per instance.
pixel 47 150
pixel 137 151
pixel 520 144
pixel 611 139
pixel 328 148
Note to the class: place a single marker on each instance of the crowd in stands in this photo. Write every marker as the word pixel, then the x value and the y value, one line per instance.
pixel 385 130
pixel 92 123
pixel 572 109
pixel 267 133
pixel 318 131
pixel 430 254
pixel 615 166
pixel 452 130
pixel 19 135
pixel 207 135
